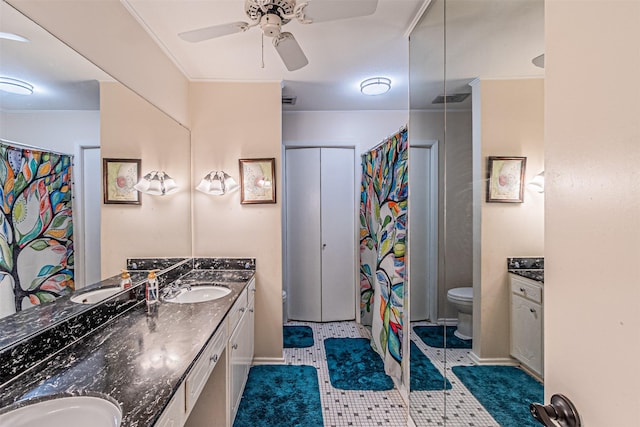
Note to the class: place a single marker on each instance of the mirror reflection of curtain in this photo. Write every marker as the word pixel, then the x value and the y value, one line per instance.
pixel 383 220
pixel 36 228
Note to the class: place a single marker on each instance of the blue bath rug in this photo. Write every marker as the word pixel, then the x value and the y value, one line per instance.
pixel 425 376
pixel 297 336
pixel 504 391
pixel 354 365
pixel 433 337
pixel 281 396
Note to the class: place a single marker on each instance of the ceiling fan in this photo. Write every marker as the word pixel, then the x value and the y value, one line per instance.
pixel 271 15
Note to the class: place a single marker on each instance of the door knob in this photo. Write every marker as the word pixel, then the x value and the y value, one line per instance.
pixel 560 412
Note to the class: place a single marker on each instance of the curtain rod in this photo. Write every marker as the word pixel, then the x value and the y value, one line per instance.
pixel 15 144
pixel 374 148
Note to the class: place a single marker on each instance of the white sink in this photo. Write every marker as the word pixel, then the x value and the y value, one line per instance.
pixel 95 296
pixel 72 411
pixel 200 294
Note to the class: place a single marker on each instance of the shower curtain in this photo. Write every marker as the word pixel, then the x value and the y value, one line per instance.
pixel 383 220
pixel 36 228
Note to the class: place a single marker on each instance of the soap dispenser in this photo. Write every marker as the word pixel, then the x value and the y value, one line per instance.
pixel 125 280
pixel 152 287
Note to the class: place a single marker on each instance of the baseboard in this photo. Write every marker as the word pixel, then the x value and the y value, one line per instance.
pixel 268 361
pixel 447 321
pixel 506 361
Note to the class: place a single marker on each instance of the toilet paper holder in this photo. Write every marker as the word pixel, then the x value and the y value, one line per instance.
pixel 560 412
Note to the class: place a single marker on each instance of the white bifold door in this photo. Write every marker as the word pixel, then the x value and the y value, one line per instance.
pixel 320 230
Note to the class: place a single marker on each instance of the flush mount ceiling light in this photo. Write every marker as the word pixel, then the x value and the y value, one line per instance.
pixel 13 37
pixel 375 86
pixel 16 86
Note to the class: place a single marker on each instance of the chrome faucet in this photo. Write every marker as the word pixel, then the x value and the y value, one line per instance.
pixel 174 288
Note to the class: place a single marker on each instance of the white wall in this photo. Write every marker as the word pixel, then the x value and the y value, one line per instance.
pixel 361 129
pixel 61 131
pixel 592 206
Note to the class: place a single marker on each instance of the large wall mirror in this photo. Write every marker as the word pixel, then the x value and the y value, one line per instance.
pixel 76 109
pixel 475 93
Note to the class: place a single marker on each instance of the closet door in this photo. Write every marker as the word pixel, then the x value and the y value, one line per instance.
pixel 303 234
pixel 337 233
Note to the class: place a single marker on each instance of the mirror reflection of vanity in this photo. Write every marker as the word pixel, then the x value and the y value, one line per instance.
pixel 480 55
pixel 79 110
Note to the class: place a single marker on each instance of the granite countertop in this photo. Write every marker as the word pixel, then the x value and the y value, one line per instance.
pixel 139 358
pixel 529 267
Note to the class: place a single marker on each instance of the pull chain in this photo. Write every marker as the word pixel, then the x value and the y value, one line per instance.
pixel 262 53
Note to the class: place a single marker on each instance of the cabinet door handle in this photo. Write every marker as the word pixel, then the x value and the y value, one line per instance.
pixel 523 290
pixel 235 346
pixel 324 245
pixel 251 310
pixel 533 310
pixel 242 309
pixel 214 358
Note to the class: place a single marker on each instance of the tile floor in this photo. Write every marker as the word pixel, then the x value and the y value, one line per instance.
pixel 386 408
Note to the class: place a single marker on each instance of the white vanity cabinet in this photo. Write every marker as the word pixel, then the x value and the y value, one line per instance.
pixel 241 348
pixel 526 322
pixel 211 393
pixel 173 415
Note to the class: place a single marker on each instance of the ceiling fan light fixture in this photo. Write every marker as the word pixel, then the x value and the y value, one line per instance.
pixel 375 86
pixel 18 87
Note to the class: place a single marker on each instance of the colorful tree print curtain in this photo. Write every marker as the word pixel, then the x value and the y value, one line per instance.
pixel 36 228
pixel 383 225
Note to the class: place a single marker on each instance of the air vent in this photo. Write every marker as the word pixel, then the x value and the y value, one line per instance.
pixel 457 97
pixel 289 100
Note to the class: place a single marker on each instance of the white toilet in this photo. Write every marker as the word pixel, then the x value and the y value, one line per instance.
pixel 462 299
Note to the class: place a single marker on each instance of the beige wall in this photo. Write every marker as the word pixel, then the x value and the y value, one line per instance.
pixel 130 127
pixel 105 33
pixel 592 232
pixel 508 121
pixel 231 121
pixel 455 241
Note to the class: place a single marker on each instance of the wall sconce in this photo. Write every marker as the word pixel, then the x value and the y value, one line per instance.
pixel 156 183
pixel 217 183
pixel 537 183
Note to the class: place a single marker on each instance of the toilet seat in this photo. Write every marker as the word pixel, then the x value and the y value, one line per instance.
pixel 461 294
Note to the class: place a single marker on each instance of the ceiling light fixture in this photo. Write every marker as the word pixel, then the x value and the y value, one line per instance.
pixel 375 86
pixel 16 86
pixel 13 37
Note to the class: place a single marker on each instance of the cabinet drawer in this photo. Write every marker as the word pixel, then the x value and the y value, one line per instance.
pixel 202 369
pixel 526 289
pixel 173 415
pixel 237 311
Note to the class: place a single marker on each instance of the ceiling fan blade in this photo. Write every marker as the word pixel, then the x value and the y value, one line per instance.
pixel 213 32
pixel 290 51
pixel 331 10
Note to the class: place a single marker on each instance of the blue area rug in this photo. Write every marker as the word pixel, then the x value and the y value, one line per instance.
pixel 505 392
pixel 354 365
pixel 297 336
pixel 281 396
pixel 425 376
pixel 433 337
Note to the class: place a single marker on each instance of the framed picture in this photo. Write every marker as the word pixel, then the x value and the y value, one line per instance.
pixel 119 177
pixel 257 181
pixel 506 179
